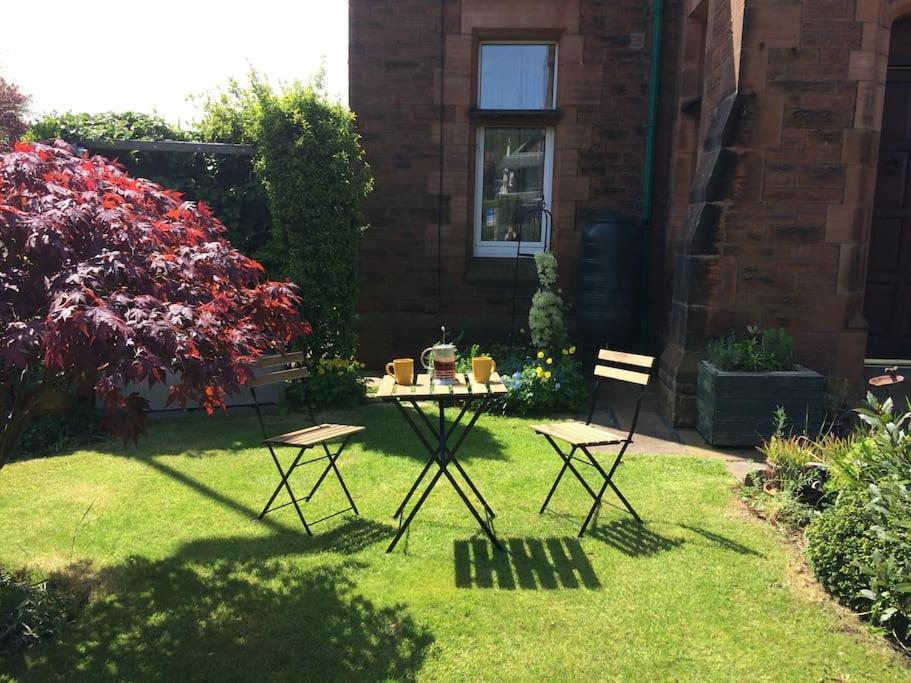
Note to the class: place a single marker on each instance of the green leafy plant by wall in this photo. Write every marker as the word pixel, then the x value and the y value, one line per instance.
pixel 316 176
pixel 758 351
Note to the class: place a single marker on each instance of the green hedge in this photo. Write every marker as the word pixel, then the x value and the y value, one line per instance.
pixel 295 206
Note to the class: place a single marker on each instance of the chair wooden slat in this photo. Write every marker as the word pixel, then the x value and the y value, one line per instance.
pixel 622 375
pixel 311 436
pixel 279 376
pixel 580 434
pixel 626 358
pixel 279 359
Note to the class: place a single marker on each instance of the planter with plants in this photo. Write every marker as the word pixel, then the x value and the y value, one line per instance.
pixel 745 380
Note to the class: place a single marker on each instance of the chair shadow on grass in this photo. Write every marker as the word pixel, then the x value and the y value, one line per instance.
pixel 526 563
pixel 632 538
pixel 722 541
pixel 230 608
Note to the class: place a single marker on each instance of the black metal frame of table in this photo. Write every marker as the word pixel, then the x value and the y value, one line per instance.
pixel 436 439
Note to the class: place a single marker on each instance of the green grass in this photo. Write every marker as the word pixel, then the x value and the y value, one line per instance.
pixel 187 586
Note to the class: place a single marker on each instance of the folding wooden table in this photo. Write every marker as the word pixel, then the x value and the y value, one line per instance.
pixel 466 393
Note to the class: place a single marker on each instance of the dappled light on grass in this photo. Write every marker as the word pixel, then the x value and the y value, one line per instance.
pixel 191 609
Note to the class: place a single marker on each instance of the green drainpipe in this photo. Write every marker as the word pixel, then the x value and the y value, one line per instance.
pixel 648 171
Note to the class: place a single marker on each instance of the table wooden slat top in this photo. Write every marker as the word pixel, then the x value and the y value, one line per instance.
pixel 423 389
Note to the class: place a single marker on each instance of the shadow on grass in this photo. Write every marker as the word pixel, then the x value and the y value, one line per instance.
pixel 722 541
pixel 198 435
pixel 356 524
pixel 529 563
pixel 389 433
pixel 230 608
pixel 632 538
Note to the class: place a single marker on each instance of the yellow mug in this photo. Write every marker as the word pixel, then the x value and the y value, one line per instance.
pixel 402 369
pixel 481 367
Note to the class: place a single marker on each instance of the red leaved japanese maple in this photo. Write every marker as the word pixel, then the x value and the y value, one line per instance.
pixel 108 279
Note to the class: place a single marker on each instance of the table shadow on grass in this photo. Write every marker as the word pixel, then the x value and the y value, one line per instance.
pixel 526 563
pixel 227 608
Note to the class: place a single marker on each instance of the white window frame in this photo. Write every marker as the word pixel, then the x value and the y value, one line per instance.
pixel 509 249
pixel 555 43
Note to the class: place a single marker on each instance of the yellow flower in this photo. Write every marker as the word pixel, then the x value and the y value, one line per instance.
pixel 547 375
pixel 572 349
pixel 540 354
pixel 539 371
pixel 565 352
pixel 549 361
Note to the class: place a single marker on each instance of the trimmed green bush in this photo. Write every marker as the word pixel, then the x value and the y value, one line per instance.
pixel 839 543
pixel 333 383
pixel 315 175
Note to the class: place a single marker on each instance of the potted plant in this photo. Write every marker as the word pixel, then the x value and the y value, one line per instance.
pixel 745 380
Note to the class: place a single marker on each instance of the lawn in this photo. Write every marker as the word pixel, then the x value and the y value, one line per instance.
pixel 186 585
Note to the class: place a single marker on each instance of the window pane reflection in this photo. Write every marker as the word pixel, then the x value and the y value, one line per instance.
pixel 513 184
pixel 517 76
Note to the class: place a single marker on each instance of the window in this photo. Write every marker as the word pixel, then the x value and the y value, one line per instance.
pixel 513 178
pixel 520 76
pixel 514 170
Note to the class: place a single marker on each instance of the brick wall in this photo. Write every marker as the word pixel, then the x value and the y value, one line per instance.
pixel 395 84
pixel 781 238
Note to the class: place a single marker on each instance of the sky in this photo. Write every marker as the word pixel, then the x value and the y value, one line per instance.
pixel 106 55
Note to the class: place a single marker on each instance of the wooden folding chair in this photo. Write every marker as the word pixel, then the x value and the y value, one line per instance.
pixel 278 368
pixel 582 436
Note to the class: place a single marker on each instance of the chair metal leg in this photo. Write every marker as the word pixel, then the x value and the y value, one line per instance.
pixel 625 501
pixel 284 483
pixel 591 511
pixel 557 480
pixel 333 457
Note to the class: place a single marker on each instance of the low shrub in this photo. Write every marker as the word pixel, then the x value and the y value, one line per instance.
pixel 29 611
pixel 868 530
pixel 333 383
pixel 799 465
pixel 61 432
pixel 839 543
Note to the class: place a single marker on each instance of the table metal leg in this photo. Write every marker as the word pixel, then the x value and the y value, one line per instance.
pixel 417 507
pixel 442 456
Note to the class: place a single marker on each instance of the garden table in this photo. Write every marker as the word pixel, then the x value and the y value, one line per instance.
pixel 466 393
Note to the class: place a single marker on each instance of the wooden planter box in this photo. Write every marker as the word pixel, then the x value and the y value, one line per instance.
pixel 738 408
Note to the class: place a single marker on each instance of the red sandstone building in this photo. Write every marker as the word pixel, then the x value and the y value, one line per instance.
pixel 781 189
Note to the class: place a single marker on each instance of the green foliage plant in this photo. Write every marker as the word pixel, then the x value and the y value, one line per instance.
pixel 873 480
pixel 30 611
pixel 538 384
pixel 316 176
pixel 226 182
pixel 758 351
pixel 333 383
pixel 547 317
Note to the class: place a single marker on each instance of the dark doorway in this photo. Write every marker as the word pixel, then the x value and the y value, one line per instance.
pixel 888 295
